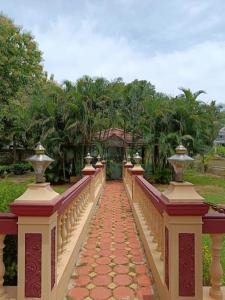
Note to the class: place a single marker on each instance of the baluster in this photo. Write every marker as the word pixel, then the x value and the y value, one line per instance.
pixel 67 224
pixel 81 201
pixel 3 294
pixel 150 219
pixel 155 240
pixel 73 212
pixel 85 200
pixel 159 247
pixel 153 224
pixel 79 211
pixel 70 213
pixel 216 270
pixel 59 237
pixel 76 213
pixel 64 232
pixel 162 240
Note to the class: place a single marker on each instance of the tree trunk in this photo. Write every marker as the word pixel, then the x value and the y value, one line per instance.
pixel 14 150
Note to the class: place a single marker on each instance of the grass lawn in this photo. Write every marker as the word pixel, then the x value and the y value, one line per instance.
pixel 212 188
pixel 14 186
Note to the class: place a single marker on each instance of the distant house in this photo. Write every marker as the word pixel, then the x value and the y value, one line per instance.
pixel 116 142
pixel 220 139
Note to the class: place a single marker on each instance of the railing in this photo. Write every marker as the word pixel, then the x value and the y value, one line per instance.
pixel 171 233
pixel 128 180
pixel 8 226
pixel 50 235
pixel 73 214
pixel 214 225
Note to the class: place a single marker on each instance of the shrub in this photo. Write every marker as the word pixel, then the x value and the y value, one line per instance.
pixel 207 258
pixel 21 168
pixel 4 169
pixel 9 191
pixel 10 260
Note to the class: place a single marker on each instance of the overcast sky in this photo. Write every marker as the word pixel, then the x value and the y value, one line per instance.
pixel 171 43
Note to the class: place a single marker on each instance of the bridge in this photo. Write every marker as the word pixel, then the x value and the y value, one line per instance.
pixel 112 240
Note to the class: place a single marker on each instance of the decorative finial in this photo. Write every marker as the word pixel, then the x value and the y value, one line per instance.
pixel 179 162
pixel 40 161
pixel 88 159
pixel 137 158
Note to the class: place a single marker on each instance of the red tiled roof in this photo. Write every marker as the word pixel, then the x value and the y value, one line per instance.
pixel 108 133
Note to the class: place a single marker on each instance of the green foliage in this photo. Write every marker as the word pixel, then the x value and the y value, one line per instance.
pixel 20 59
pixel 5 169
pixel 10 260
pixel 68 117
pixel 202 179
pixel 220 150
pixel 207 259
pixel 17 169
pixel 9 191
pixel 21 168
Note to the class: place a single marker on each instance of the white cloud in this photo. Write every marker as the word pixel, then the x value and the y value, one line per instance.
pixel 72 51
pixel 170 43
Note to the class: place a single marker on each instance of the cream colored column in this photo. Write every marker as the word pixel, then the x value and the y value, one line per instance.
pixel 89 170
pixel 136 170
pixel 183 241
pixel 216 270
pixel 37 243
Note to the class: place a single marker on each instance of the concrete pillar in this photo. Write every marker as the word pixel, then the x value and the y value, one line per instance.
pixel 183 241
pixel 37 242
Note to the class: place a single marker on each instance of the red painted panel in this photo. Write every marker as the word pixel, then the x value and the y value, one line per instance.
pixel 53 258
pixel 186 264
pixel 167 257
pixel 8 223
pixel 33 244
pixel 213 222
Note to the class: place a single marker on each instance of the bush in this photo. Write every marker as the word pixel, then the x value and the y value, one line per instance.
pixel 10 260
pixel 207 259
pixel 21 168
pixel 4 169
pixel 9 191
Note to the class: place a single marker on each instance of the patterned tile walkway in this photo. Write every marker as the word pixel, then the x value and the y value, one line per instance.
pixel 112 263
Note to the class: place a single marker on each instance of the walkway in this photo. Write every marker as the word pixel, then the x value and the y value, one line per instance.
pixel 112 262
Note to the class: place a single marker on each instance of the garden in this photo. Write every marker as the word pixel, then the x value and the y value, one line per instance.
pixel 66 116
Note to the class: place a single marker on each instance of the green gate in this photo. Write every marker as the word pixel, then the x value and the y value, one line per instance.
pixel 114 157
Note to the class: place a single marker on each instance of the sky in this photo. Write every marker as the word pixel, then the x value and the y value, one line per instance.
pixel 171 43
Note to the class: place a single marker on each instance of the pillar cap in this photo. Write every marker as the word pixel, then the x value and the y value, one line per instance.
pixel 98 164
pixel 38 192
pixel 137 170
pixel 182 192
pixel 88 170
pixel 128 165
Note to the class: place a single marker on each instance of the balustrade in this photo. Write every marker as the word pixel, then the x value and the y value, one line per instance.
pixel 216 270
pixel 67 217
pixel 70 216
pixel 153 215
pixel 8 226
pixel 214 225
